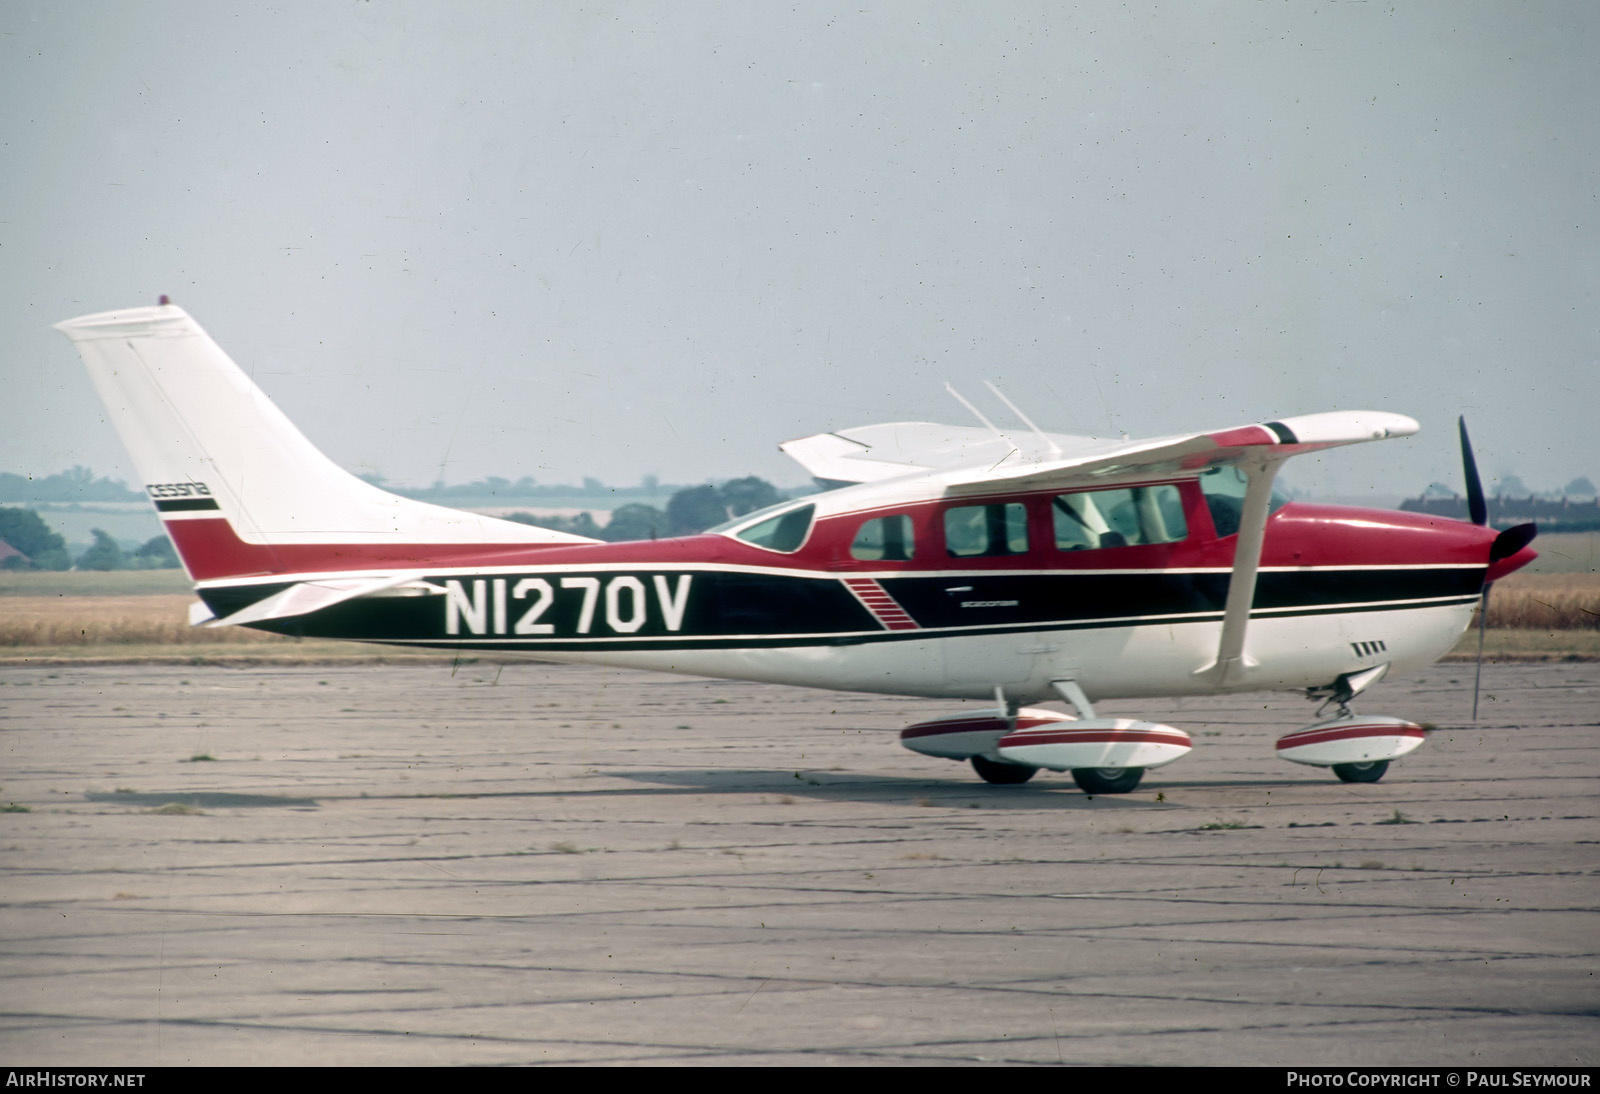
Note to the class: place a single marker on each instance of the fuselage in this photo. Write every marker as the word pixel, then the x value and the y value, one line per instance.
pixel 1122 590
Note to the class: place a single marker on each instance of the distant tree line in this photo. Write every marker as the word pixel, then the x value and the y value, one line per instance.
pixel 1564 514
pixel 78 484
pixel 81 484
pixel 691 509
pixel 1579 489
pixel 36 547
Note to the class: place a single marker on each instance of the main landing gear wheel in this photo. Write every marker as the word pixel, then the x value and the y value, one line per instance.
pixel 1107 780
pixel 1369 772
pixel 1002 774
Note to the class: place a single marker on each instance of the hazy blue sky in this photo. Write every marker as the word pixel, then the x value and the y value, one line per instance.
pixel 616 239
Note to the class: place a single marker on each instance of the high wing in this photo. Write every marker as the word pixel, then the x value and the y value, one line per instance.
pixel 973 461
pixel 970 458
pixel 1273 442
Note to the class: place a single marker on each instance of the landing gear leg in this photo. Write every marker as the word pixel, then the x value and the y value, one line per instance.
pixel 1392 732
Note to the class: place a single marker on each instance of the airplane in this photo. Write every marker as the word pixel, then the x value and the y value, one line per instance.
pixel 948 562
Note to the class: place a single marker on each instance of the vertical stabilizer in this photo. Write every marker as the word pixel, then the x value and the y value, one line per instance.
pixel 209 446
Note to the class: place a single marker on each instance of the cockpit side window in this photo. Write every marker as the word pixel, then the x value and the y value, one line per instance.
pixel 886 539
pixel 986 531
pixel 1136 516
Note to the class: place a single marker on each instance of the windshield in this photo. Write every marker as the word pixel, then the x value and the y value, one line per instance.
pixel 1224 488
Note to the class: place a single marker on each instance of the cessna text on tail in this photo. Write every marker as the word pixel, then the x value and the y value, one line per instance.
pixel 951 563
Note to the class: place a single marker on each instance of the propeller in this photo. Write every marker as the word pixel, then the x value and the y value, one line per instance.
pixel 1506 544
pixel 1477 508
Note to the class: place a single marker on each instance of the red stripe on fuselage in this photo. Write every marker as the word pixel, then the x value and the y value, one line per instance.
pixel 211 550
pixel 1298 535
pixel 884 608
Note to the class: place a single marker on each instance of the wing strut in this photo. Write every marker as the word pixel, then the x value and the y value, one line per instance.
pixel 1232 661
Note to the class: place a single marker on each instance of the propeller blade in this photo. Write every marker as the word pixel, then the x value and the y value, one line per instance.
pixel 1477 508
pixel 1511 541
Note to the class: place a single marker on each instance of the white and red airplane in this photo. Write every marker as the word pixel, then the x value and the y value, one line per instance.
pixel 959 563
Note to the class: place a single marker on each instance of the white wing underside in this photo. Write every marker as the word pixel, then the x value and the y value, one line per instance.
pixel 969 459
pixel 873 453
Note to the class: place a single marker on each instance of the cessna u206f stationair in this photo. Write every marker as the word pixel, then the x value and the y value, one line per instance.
pixel 958 563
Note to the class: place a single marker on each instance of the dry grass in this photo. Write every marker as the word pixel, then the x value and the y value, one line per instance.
pixel 39 629
pixel 91 583
pixel 111 620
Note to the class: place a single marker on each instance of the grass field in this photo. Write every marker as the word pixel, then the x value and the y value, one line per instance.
pixel 92 583
pixel 155 627
pixel 1566 553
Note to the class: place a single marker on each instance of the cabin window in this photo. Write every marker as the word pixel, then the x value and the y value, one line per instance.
pixel 784 532
pixel 1224 489
pixel 886 539
pixel 986 531
pixel 1137 516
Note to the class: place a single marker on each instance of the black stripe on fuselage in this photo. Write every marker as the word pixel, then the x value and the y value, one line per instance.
pixel 788 641
pixel 184 505
pixel 1064 597
pixel 723 609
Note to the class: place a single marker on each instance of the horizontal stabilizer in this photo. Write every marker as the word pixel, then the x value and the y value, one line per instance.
pixel 311 596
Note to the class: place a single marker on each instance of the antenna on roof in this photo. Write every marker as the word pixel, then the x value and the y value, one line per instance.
pixel 1055 449
pixel 992 427
pixel 976 413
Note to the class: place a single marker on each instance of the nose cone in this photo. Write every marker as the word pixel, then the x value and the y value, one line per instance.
pixel 1510 551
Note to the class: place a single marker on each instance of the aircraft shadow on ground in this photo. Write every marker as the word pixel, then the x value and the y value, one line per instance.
pixel 1057 791
pixel 200 800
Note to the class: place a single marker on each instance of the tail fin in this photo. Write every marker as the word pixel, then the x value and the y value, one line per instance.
pixel 239 489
